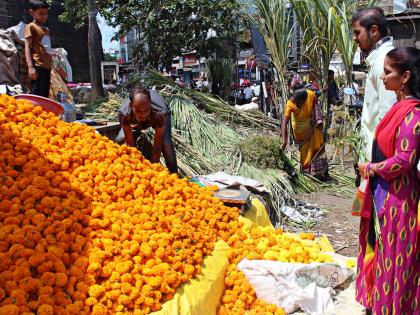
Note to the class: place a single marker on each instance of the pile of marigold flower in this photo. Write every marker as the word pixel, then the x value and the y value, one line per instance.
pixel 263 243
pixel 91 227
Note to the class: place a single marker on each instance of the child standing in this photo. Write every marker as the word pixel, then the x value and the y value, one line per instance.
pixel 37 43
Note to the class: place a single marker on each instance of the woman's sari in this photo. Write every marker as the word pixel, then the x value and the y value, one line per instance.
pixel 388 266
pixel 308 135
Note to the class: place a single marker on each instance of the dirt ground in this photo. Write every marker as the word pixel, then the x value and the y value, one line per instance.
pixel 338 224
pixel 341 228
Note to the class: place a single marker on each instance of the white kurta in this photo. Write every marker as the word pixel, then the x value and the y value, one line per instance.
pixel 377 100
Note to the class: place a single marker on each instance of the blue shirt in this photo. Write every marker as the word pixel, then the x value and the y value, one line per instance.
pixel 248 93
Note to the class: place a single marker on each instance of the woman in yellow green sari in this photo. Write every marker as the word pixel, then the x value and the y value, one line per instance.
pixel 304 110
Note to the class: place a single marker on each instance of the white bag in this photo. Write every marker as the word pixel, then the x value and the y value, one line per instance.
pixel 293 286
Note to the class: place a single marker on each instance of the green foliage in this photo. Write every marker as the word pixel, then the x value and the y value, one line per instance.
pixel 345 133
pixel 75 12
pixel 220 71
pixel 168 27
pixel 273 21
pixel 325 26
pixel 262 151
pixel 109 57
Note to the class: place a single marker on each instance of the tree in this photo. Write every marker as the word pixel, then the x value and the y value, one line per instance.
pixel 169 28
pixel 82 12
pixel 95 53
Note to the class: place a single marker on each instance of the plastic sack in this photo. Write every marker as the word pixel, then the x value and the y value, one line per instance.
pixel 9 59
pixel 62 65
pixel 19 30
pixel 292 286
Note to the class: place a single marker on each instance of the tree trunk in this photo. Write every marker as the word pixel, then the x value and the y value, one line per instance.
pixel 95 53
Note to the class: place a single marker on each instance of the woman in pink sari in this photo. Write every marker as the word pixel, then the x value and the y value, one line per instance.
pixel 388 272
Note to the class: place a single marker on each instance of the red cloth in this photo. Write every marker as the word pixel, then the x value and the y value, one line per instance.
pixel 388 126
pixel 385 135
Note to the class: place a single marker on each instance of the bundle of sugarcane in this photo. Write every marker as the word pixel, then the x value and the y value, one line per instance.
pixel 209 136
pixel 209 103
pixel 206 145
pixel 106 108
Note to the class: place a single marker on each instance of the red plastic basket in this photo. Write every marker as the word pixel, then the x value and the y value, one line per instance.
pixel 46 103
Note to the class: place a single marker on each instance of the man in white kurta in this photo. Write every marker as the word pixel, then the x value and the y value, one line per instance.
pixel 378 100
pixel 369 31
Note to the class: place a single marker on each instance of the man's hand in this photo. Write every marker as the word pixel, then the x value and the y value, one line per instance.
pixel 283 146
pixel 158 144
pixel 32 73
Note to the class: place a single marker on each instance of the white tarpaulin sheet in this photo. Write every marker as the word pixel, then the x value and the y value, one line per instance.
pixel 292 286
pixel 224 180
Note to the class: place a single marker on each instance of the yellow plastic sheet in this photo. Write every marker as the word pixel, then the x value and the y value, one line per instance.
pixel 325 244
pixel 256 216
pixel 201 296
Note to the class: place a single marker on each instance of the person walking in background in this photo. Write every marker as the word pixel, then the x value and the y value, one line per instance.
pixel 332 96
pixel 37 45
pixel 306 115
pixel 388 264
pixel 371 34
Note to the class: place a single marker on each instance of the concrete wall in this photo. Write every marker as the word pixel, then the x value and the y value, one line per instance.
pixel 62 34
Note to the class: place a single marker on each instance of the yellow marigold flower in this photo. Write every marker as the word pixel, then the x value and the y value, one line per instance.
pixel 99 309
pixel 96 291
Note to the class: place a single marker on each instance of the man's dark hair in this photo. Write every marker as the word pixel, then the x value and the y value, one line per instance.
pixel 372 16
pixel 138 89
pixel 300 95
pixel 331 72
pixel 38 4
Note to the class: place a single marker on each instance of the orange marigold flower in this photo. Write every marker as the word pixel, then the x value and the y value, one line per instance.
pixel 10 309
pixel 45 309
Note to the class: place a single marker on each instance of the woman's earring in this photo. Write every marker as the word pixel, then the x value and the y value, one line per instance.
pixel 401 90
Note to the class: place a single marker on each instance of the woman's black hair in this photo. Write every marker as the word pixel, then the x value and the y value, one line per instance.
pixel 300 95
pixel 138 89
pixel 38 4
pixel 407 59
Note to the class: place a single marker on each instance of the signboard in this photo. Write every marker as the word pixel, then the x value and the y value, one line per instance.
pixel 190 59
pixel 305 67
pixel 246 53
